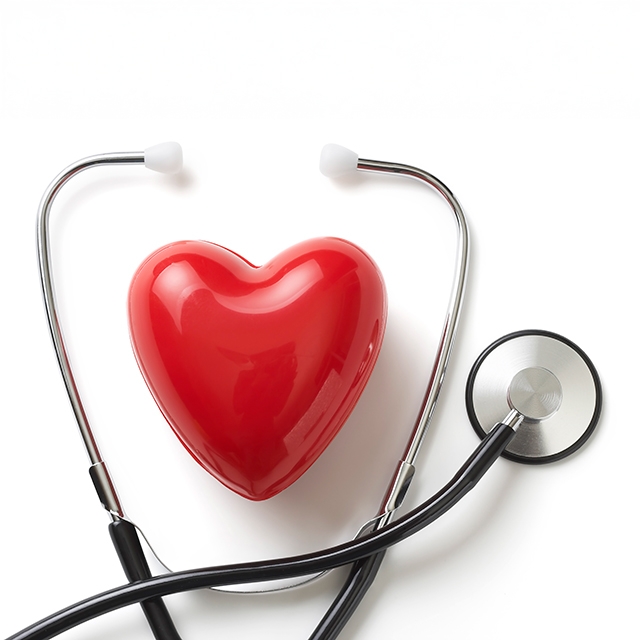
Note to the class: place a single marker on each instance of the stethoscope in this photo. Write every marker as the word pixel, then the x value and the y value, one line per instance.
pixel 532 396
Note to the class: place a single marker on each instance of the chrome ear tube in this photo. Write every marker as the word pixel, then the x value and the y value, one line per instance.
pixel 164 158
pixel 336 161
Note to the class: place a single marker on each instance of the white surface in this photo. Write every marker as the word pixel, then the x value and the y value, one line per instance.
pixel 527 110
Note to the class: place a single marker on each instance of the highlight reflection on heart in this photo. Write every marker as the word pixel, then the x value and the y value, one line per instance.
pixel 256 369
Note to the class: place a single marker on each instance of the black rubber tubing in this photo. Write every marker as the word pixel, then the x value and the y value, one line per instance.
pixel 127 545
pixel 361 577
pixel 347 553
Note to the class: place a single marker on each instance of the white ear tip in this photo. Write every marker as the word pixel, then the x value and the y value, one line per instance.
pixel 336 160
pixel 165 157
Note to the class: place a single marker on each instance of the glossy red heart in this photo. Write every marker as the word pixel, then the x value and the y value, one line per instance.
pixel 257 368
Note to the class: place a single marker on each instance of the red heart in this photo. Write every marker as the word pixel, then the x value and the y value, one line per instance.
pixel 257 368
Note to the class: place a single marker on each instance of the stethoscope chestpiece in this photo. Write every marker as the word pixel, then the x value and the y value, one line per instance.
pixel 544 377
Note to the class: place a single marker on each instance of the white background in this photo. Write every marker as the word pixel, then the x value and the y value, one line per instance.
pixel 527 110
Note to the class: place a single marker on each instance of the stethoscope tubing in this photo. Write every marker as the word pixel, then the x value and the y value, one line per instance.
pixel 360 578
pixel 283 568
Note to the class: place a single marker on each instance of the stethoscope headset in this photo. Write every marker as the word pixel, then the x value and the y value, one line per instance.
pixel 532 397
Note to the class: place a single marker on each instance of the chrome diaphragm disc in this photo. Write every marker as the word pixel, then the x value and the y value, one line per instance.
pixel 544 377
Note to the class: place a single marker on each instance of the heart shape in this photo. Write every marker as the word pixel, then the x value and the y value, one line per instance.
pixel 256 369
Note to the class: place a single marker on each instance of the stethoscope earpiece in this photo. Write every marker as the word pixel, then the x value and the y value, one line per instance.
pixel 547 379
pixel 165 157
pixel 336 161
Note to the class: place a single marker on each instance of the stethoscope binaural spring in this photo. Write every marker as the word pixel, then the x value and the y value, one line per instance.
pixel 523 401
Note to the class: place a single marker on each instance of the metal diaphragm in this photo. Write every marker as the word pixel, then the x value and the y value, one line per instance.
pixel 548 379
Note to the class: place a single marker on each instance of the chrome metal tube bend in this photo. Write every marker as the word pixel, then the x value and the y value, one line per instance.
pixel 99 474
